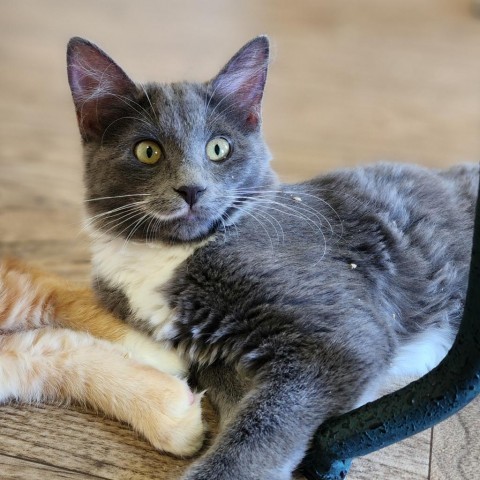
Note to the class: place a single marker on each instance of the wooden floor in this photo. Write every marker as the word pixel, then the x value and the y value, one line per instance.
pixel 351 82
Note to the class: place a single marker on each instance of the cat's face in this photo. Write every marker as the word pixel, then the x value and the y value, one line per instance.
pixel 176 161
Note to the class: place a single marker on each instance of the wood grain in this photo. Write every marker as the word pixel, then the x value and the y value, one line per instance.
pixel 351 82
pixel 402 461
pixel 74 442
pixel 456 446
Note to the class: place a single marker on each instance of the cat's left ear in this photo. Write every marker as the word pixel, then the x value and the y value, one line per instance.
pixel 101 90
pixel 242 81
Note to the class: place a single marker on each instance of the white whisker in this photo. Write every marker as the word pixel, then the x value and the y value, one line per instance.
pixel 120 119
pixel 150 103
pixel 117 196
pixel 116 212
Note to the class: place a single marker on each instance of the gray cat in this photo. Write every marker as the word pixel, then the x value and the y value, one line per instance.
pixel 292 303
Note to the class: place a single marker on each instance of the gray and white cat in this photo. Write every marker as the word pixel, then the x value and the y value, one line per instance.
pixel 292 303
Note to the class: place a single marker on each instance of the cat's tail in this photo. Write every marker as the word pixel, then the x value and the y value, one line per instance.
pixel 62 366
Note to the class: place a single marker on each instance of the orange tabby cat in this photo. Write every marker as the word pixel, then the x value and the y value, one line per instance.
pixel 58 345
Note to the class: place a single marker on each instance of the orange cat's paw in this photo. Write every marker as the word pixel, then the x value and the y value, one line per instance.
pixel 155 354
pixel 169 414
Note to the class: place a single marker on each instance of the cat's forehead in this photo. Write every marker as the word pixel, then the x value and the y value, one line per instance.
pixel 178 107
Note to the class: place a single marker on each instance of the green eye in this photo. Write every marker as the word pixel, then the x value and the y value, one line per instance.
pixel 218 149
pixel 148 152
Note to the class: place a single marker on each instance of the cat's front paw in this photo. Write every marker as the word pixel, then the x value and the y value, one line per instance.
pixel 233 466
pixel 208 469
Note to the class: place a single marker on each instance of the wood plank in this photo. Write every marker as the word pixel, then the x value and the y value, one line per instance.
pixel 79 442
pixel 14 468
pixel 407 460
pixel 456 446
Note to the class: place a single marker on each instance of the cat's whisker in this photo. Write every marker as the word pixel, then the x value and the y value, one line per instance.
pixel 119 120
pixel 147 233
pixel 128 217
pixel 303 193
pixel 147 96
pixel 290 211
pixel 309 221
pixel 129 102
pixel 300 206
pixel 119 211
pixel 271 219
pixel 157 225
pixel 114 218
pixel 225 225
pixel 106 233
pixel 262 189
pixel 279 225
pixel 305 209
pixel 134 228
pixel 250 214
pixel 266 217
pixel 258 201
pixel 207 103
pixel 228 108
pixel 328 205
pixel 117 196
pixel 103 89
pixel 118 216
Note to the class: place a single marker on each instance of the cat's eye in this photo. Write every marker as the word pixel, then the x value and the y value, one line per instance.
pixel 148 152
pixel 218 149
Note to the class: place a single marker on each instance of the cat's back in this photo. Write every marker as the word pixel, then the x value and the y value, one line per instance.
pixel 394 187
pixel 409 203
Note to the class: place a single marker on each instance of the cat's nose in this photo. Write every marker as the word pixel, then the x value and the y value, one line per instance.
pixel 190 193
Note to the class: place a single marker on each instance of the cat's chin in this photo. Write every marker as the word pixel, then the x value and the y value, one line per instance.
pixel 190 235
pixel 189 228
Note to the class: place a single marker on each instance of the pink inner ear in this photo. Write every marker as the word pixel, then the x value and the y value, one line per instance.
pixel 97 84
pixel 242 80
pixel 93 74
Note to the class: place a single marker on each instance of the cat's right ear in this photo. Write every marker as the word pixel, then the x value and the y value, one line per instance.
pixel 101 90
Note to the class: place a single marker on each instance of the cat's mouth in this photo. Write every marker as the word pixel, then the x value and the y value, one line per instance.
pixel 184 224
pixel 196 224
pixel 186 213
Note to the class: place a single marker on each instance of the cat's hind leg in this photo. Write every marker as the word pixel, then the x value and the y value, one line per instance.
pixel 62 366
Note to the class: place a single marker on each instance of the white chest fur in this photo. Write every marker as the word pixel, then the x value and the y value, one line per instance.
pixel 140 270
